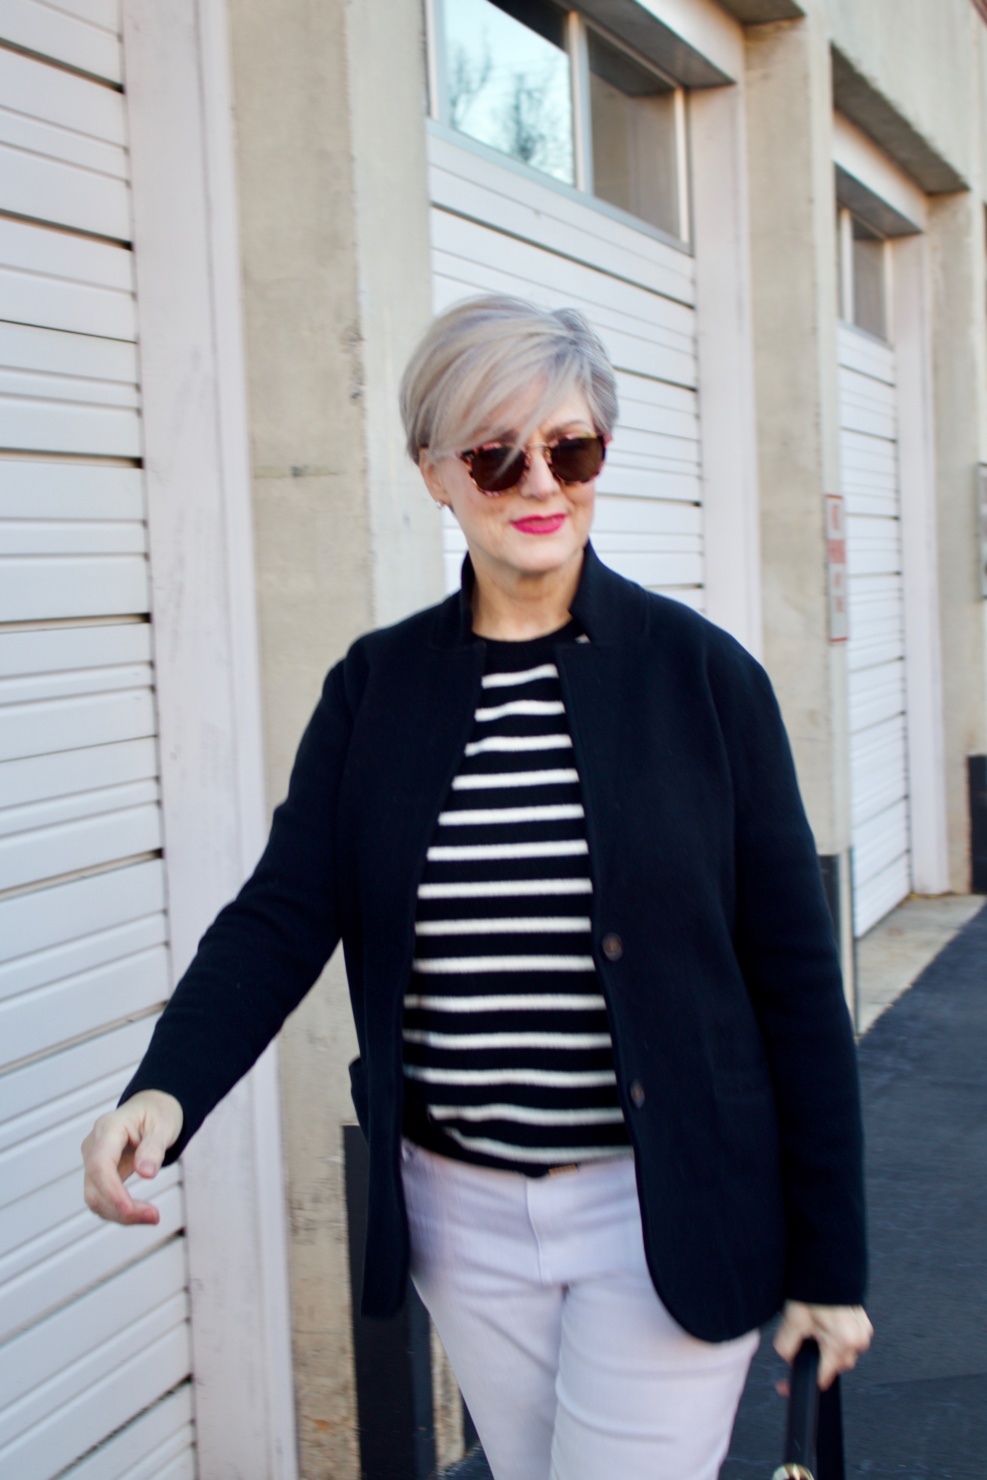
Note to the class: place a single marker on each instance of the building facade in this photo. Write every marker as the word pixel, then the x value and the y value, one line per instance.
pixel 223 224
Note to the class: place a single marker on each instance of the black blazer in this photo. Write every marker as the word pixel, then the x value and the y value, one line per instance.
pixel 734 1051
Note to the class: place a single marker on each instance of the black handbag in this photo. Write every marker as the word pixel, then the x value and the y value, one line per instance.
pixel 814 1428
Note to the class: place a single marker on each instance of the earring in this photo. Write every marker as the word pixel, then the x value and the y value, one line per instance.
pixel 438 503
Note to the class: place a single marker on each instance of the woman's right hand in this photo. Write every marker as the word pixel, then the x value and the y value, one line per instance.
pixel 132 1138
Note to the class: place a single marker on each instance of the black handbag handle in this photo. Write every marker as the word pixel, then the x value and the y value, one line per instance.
pixel 814 1428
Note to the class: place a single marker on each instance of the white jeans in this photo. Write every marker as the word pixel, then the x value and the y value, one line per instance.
pixel 571 1366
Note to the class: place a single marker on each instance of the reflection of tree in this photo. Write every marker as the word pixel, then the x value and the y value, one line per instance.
pixel 533 129
pixel 468 77
pixel 519 111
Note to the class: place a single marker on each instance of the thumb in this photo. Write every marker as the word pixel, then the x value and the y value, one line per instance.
pixel 150 1151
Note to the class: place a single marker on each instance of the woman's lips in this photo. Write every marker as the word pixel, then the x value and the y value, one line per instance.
pixel 539 523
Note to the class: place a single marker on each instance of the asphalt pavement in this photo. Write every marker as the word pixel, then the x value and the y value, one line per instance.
pixel 916 1406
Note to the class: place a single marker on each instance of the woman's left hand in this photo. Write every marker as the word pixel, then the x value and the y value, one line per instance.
pixel 842 1331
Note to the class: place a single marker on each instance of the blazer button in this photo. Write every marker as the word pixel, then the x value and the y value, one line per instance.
pixel 637 1094
pixel 613 947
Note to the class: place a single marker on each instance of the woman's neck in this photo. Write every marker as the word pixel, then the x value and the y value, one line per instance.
pixel 527 607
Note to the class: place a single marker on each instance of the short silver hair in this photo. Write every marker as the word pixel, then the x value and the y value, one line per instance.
pixel 479 356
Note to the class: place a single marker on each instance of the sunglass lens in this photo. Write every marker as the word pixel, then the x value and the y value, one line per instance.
pixel 577 459
pixel 495 469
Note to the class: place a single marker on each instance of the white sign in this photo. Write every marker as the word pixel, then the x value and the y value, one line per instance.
pixel 839 616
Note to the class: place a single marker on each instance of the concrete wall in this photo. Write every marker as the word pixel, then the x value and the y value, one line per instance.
pixel 956 232
pixel 982 110
pixel 921 55
pixel 329 105
pixel 794 290
pixel 793 270
pixel 388 104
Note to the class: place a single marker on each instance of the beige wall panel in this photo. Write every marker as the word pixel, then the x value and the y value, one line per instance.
pixel 25 1095
pixel 37 1022
pixel 981 51
pixel 330 102
pixel 96 1252
pixel 36 779
pixel 66 194
pixel 793 281
pixel 40 664
pixel 71 109
pixel 555 221
pixel 156 1438
pixel 85 41
pixel 956 231
pixel 150 1373
pixel 52 1219
pixel 43 1353
pixel 93 719
pixel 922 56
pixel 387 92
pixel 303 363
pixel 794 298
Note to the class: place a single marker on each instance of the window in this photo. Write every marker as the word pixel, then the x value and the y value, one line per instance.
pixel 633 127
pixel 508 83
pixel 869 307
pixel 538 83
pixel 863 274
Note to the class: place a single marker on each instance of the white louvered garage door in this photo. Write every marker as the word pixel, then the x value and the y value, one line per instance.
pixel 94 1336
pixel 878 757
pixel 495 230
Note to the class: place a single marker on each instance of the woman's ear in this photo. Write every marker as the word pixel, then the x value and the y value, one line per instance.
pixel 433 481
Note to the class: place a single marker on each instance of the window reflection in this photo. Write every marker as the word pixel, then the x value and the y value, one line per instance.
pixel 632 112
pixel 507 80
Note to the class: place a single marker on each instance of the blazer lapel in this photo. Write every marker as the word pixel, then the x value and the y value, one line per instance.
pixel 598 697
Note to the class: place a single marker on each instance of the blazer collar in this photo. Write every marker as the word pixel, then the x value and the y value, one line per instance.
pixel 607 607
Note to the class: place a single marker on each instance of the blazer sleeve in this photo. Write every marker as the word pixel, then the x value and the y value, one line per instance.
pixel 265 949
pixel 788 954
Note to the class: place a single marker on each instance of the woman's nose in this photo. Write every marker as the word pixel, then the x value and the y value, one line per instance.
pixel 539 481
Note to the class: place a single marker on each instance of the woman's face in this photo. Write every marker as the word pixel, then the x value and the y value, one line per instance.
pixel 538 528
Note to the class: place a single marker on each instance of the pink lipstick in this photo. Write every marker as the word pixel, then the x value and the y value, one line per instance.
pixel 539 523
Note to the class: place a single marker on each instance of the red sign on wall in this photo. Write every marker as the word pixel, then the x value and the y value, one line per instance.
pixel 839 615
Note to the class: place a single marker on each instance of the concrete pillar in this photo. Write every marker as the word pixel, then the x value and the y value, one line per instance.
pixel 388 105
pixel 959 372
pixel 793 271
pixel 330 103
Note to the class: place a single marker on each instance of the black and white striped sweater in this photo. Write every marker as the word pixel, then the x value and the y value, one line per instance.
pixel 508 1059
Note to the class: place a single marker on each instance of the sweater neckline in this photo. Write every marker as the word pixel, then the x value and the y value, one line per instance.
pixel 509 647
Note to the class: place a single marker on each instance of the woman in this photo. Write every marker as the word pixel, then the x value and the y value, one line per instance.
pixel 606 1071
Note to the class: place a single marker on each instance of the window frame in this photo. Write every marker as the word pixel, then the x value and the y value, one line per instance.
pixel 577 28
pixel 846 287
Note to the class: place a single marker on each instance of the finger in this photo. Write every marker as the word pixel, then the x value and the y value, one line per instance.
pixel 108 1159
pixel 789 1337
pixel 843 1344
pixel 107 1196
pixel 142 1212
pixel 833 1361
pixel 840 1355
pixel 829 1368
pixel 865 1332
